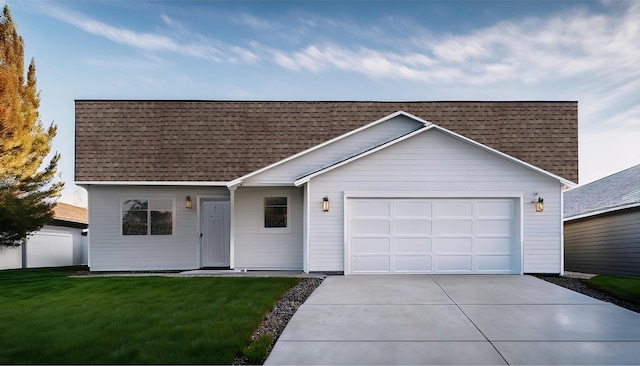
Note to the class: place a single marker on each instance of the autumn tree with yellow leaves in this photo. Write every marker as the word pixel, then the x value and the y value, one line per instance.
pixel 27 189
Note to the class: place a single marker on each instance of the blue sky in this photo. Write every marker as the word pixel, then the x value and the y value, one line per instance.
pixel 335 50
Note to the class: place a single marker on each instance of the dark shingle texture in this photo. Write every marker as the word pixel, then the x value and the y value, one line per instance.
pixel 223 140
pixel 617 190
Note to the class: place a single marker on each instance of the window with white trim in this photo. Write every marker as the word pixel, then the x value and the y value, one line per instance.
pixel 147 217
pixel 275 212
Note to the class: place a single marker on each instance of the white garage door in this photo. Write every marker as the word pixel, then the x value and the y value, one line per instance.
pixel 432 236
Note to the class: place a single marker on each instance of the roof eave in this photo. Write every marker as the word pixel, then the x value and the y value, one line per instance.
pixel 152 183
pixel 600 212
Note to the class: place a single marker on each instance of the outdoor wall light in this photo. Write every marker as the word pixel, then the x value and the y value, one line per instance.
pixel 539 202
pixel 188 203
pixel 325 204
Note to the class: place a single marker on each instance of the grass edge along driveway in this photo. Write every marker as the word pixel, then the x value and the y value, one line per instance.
pixel 48 317
pixel 623 287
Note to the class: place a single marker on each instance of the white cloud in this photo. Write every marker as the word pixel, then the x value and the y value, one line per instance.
pixel 138 40
pixel 254 22
pixel 534 49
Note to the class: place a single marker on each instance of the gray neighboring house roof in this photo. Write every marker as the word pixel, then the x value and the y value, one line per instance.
pixel 615 192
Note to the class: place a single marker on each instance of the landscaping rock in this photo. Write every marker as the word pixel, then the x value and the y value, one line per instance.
pixel 276 320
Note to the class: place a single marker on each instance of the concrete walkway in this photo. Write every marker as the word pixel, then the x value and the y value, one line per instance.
pixel 455 319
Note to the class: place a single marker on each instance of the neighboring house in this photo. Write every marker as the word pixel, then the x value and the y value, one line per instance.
pixel 602 225
pixel 62 242
pixel 352 187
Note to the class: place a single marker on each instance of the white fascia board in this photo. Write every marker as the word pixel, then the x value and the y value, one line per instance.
pixel 263 184
pixel 383 119
pixel 307 178
pixel 508 157
pixel 600 212
pixel 150 183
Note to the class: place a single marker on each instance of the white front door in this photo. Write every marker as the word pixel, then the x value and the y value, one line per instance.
pixel 215 234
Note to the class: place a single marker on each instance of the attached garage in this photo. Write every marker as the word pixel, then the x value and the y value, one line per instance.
pixel 442 235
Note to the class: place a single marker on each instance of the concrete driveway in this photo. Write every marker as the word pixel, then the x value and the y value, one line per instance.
pixel 455 319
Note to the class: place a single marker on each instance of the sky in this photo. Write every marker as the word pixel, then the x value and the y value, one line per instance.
pixel 584 51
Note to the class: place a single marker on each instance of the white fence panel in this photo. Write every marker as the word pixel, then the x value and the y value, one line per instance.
pixel 10 257
pixel 49 248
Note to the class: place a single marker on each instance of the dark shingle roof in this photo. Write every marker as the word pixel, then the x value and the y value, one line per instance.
pixel 119 140
pixel 618 190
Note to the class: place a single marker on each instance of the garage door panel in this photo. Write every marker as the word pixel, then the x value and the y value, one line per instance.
pixel 413 208
pixel 433 236
pixel 503 208
pixel 412 227
pixel 371 264
pixel 413 245
pixel 454 209
pixel 494 263
pixel 370 208
pixel 371 245
pixel 370 227
pixel 494 227
pixel 453 227
pixel 493 245
pixel 454 245
pixel 413 263
pixel 457 263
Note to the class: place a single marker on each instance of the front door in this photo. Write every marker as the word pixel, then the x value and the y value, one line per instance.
pixel 215 234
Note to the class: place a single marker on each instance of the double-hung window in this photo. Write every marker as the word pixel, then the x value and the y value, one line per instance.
pixel 147 217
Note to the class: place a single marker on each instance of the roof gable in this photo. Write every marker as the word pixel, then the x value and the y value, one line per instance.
pixel 429 127
pixel 219 141
pixel 390 135
pixel 617 191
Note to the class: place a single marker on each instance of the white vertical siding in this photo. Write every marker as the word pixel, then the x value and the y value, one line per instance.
pixel 257 247
pixel 112 251
pixel 437 164
pixel 336 151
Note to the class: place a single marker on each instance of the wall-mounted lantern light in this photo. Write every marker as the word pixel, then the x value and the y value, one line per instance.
pixel 539 202
pixel 188 203
pixel 325 204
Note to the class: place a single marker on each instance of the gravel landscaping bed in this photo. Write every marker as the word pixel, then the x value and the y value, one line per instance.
pixel 579 285
pixel 276 320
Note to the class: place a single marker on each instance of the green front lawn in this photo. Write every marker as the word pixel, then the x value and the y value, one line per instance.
pixel 47 317
pixel 624 287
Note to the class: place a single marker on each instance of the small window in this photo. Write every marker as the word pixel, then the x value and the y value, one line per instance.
pixel 147 217
pixel 275 212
